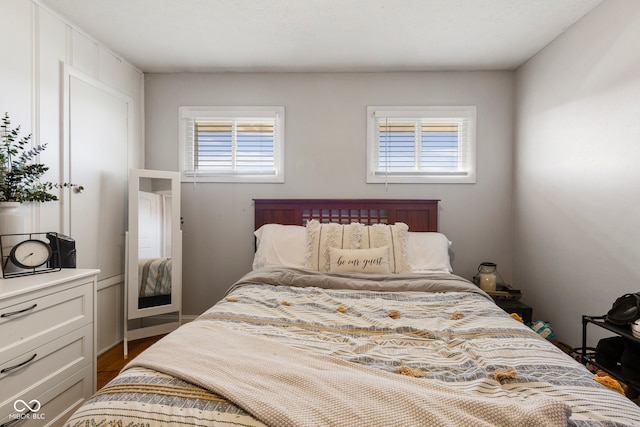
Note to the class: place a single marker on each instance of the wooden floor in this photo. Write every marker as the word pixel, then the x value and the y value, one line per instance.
pixel 111 362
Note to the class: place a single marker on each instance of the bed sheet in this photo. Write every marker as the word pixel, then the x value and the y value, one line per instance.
pixel 457 337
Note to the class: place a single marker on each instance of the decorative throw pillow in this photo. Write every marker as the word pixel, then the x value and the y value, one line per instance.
pixel 374 261
pixel 321 237
pixel 395 237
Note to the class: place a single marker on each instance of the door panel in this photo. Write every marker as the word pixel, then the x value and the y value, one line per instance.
pixel 98 141
pixel 149 222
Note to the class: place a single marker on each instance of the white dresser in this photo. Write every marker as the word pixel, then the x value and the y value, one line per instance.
pixel 47 346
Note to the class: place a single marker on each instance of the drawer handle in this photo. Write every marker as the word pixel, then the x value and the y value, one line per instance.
pixel 36 407
pixel 14 313
pixel 12 422
pixel 19 365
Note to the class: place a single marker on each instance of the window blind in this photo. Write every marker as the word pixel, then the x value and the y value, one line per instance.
pixel 242 146
pixel 231 144
pixel 421 144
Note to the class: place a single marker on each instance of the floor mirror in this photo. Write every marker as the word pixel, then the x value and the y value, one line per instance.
pixel 153 282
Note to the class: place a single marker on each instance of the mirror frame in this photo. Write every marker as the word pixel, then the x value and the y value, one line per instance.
pixel 132 292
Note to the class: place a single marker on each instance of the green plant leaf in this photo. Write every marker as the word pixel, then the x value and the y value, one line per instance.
pixel 20 176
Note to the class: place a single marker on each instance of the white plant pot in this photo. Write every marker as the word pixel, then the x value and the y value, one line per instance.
pixel 11 222
pixel 11 218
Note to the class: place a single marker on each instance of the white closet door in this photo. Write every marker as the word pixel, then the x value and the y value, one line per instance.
pixel 149 222
pixel 98 141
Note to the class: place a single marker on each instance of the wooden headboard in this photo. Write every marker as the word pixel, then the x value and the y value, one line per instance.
pixel 419 215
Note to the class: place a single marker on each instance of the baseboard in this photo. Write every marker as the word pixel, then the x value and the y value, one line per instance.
pixel 169 317
pixel 186 318
pixel 104 350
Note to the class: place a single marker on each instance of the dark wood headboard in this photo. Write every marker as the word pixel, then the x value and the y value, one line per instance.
pixel 419 215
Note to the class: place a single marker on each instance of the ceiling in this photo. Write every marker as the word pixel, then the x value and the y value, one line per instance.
pixel 160 36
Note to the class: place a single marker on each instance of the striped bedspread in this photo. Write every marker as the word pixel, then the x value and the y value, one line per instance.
pixel 155 276
pixel 452 334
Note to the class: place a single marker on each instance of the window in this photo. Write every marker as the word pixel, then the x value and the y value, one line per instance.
pixel 421 144
pixel 232 144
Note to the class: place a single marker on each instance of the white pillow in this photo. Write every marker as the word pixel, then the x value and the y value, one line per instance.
pixel 374 260
pixel 280 245
pixel 322 236
pixel 395 238
pixel 428 252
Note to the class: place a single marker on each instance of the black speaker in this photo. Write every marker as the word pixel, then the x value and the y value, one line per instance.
pixel 63 251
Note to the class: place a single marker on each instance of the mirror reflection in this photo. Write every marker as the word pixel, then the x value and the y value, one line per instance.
pixel 154 241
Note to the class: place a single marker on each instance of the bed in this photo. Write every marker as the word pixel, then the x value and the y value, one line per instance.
pixel 352 316
pixel 155 282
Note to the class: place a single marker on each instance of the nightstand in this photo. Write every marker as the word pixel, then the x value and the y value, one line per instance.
pixel 515 306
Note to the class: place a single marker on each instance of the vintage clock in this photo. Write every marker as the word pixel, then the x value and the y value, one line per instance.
pixel 31 253
pixel 27 254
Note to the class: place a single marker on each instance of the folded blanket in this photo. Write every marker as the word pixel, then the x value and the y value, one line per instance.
pixel 288 276
pixel 284 386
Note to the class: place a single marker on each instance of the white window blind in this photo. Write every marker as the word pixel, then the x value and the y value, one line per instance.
pixel 421 144
pixel 232 144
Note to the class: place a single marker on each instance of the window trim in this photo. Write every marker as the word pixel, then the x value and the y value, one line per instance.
pixel 233 112
pixel 375 176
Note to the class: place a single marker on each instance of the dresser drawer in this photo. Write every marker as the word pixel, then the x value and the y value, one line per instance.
pixel 27 323
pixel 54 404
pixel 48 363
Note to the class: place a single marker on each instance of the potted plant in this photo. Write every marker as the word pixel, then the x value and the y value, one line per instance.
pixel 19 174
pixel 20 178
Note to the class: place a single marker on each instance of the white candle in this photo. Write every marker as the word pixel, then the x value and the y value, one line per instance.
pixel 488 282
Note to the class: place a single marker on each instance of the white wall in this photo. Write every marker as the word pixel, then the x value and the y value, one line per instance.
pixel 35 42
pixel 574 193
pixel 325 157
pixel 577 169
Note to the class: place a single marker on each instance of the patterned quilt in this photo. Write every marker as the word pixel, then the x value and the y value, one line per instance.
pixel 452 334
pixel 155 276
